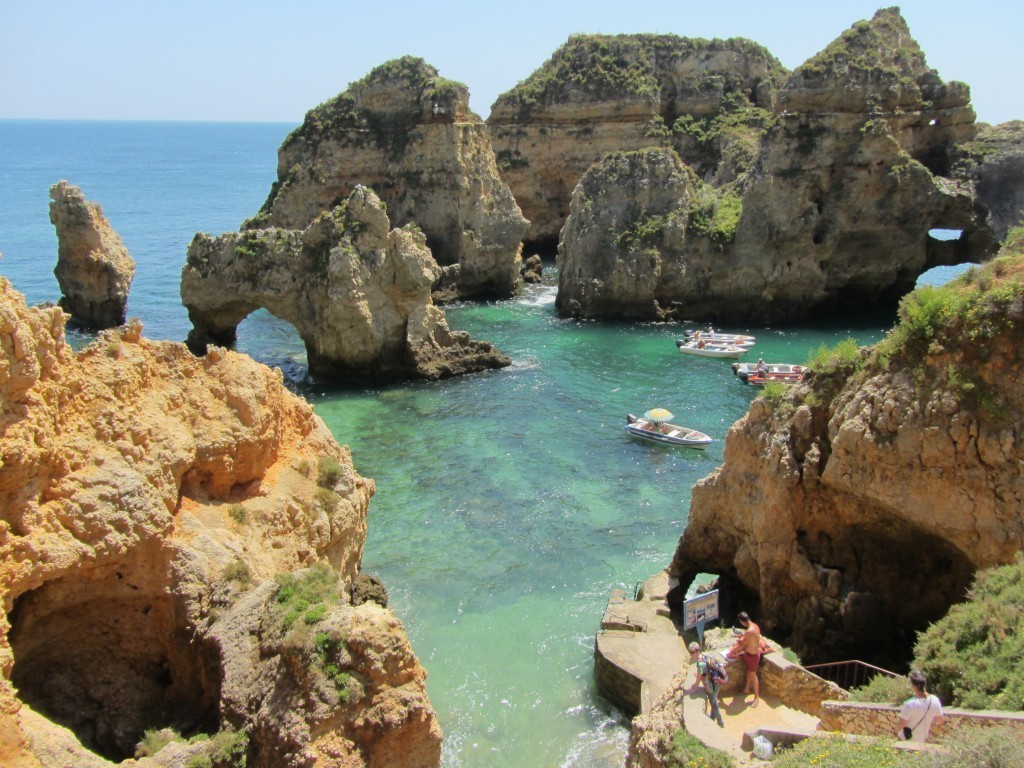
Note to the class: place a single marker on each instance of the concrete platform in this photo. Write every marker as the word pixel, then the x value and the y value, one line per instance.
pixel 639 649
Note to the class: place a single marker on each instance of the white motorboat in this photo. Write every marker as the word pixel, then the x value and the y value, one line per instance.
pixel 769 372
pixel 704 349
pixel 714 337
pixel 663 433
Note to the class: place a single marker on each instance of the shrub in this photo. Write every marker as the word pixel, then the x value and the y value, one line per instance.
pixel 715 213
pixel 225 749
pixel 327 647
pixel 883 689
pixel 298 595
pixel 997 747
pixel 971 656
pixel 687 750
pixel 238 572
pixel 837 751
pixel 774 391
pixel 237 513
pixel 327 499
pixel 828 360
pixel 303 467
pixel 329 472
pixel 154 740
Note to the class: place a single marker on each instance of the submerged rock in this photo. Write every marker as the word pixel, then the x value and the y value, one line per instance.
pixel 94 270
pixel 409 134
pixel 357 292
pixel 157 508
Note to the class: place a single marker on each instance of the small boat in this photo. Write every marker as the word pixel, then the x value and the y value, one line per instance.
pixel 714 337
pixel 711 350
pixel 657 431
pixel 772 372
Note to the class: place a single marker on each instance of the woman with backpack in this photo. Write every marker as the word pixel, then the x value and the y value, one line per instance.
pixel 710 675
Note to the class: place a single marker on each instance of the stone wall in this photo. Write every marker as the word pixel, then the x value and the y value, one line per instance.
pixel 616 683
pixel 880 719
pixel 794 685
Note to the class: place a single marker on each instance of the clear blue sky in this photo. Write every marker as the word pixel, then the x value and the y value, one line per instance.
pixel 271 61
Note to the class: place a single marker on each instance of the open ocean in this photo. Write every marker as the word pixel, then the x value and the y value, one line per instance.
pixel 509 504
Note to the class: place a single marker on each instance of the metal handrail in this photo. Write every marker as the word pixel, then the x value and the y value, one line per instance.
pixel 849 674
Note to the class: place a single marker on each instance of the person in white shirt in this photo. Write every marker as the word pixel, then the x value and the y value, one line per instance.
pixel 919 712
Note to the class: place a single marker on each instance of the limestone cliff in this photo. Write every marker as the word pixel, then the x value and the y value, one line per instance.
pixel 826 203
pixel 995 161
pixel 623 250
pixel 853 510
pixel 94 270
pixel 409 134
pixel 357 292
pixel 148 499
pixel 607 93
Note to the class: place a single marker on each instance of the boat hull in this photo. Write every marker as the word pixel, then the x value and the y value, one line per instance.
pixel 712 350
pixel 735 339
pixel 670 434
pixel 775 371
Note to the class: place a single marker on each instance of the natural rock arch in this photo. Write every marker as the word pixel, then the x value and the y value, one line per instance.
pixel 357 292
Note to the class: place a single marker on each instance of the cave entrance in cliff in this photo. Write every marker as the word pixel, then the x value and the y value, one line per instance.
pixel 110 658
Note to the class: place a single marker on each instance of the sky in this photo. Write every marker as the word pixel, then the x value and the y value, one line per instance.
pixel 258 60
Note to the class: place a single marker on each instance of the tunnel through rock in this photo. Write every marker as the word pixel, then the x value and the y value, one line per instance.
pixel 111 657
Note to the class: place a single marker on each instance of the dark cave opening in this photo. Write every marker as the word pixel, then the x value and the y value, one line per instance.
pixel 110 659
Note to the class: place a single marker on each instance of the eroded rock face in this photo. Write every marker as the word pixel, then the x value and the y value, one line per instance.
pixel 996 161
pixel 606 93
pixel 408 134
pixel 149 498
pixel 94 270
pixel 824 205
pixel 624 250
pixel 854 513
pixel 357 292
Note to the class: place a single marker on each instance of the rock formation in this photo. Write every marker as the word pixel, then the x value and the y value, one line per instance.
pixel 155 508
pixel 358 294
pixel 853 511
pixel 813 197
pixel 94 270
pixel 607 93
pixel 624 246
pixel 408 134
pixel 995 160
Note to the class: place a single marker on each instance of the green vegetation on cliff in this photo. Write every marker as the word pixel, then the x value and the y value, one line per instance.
pixel 972 655
pixel 412 86
pixel 715 213
pixel 624 67
pixel 882 45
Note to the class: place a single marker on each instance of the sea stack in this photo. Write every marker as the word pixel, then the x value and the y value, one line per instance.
pixel 94 270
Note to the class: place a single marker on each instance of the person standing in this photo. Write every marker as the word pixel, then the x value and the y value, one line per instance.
pixel 919 712
pixel 710 684
pixel 750 648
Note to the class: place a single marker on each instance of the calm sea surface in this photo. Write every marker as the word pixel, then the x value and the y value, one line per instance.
pixel 509 504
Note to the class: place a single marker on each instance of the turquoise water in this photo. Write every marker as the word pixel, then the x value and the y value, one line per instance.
pixel 509 504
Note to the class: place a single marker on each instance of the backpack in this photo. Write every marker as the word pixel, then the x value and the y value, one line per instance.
pixel 717 673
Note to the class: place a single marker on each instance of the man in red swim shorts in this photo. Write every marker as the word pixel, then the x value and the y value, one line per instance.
pixel 750 647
